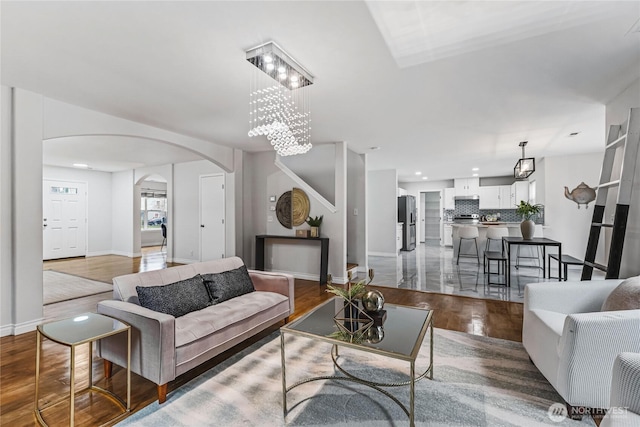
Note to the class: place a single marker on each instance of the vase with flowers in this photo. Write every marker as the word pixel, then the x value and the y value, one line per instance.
pixel 528 212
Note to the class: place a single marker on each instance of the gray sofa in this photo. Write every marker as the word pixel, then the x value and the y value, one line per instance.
pixel 164 346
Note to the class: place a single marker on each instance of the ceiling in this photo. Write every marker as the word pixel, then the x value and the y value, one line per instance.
pixel 440 87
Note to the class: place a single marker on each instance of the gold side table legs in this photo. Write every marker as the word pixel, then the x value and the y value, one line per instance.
pixel 125 407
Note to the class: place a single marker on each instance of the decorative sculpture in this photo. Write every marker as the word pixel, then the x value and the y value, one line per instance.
pixel 582 195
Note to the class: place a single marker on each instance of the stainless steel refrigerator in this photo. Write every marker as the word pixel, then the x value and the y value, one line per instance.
pixel 407 216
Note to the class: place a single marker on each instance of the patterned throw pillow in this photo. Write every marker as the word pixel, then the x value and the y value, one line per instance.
pixel 176 299
pixel 626 296
pixel 228 284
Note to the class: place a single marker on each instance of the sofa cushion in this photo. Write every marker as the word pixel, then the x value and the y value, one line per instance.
pixel 198 324
pixel 228 284
pixel 626 296
pixel 176 299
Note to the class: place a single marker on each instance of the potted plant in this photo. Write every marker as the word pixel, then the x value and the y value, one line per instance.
pixel 315 225
pixel 350 292
pixel 528 211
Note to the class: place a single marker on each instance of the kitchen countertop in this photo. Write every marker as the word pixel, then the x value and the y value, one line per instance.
pixel 488 224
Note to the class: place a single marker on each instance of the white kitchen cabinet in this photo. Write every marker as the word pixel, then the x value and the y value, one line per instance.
pixel 505 197
pixel 398 237
pixel 449 198
pixel 519 191
pixel 448 235
pixel 467 186
pixel 490 197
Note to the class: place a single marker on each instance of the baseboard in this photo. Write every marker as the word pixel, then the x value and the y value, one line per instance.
pixel 384 254
pixel 20 328
pixel 312 277
pixel 363 270
pixel 6 330
pixel 98 253
pixel 127 254
pixel 298 275
pixel 184 260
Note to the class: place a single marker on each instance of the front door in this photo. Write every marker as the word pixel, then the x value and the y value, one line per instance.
pixel 64 220
pixel 212 218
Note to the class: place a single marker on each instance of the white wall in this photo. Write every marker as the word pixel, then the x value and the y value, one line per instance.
pixel 22 283
pixel 356 200
pixel 6 207
pixel 617 112
pixel 124 218
pixel 62 119
pixel 99 204
pixel 263 179
pixel 382 211
pixel 257 167
pixel 317 169
pixel 563 220
pixel 186 210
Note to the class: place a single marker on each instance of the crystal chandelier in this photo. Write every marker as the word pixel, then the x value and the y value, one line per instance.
pixel 278 100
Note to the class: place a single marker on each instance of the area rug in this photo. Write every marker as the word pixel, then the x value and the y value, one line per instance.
pixel 58 287
pixel 478 381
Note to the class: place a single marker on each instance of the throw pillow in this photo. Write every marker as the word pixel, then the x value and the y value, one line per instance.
pixel 176 299
pixel 626 296
pixel 228 284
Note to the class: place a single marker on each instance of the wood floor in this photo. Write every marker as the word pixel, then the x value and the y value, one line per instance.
pixel 498 319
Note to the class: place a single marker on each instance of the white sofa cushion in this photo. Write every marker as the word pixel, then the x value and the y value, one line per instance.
pixel 544 331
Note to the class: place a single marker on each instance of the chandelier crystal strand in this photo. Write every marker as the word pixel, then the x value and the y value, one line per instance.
pixel 280 103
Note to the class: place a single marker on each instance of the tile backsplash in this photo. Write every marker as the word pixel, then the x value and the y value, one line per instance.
pixel 473 206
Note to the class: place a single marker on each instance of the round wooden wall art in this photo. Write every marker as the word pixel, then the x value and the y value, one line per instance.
pixel 299 207
pixel 292 208
pixel 283 209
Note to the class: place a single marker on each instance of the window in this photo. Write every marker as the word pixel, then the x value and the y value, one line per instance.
pixel 64 190
pixel 532 192
pixel 153 209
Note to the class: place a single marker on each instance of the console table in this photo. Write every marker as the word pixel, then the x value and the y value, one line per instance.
pixel 324 251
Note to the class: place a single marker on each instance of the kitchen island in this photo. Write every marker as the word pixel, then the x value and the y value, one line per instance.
pixel 467 246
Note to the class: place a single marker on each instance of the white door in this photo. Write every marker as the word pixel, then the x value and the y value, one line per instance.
pixel 64 219
pixel 212 227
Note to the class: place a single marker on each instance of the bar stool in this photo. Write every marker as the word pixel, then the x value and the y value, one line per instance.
pixel 468 233
pixel 496 233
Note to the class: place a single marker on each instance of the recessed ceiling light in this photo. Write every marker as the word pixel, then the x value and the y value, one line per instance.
pixel 418 173
pixel 81 165
pixel 573 133
pixel 475 169
pixel 424 177
pixel 475 174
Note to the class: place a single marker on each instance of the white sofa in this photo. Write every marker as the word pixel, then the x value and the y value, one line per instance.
pixel 572 342
pixel 625 392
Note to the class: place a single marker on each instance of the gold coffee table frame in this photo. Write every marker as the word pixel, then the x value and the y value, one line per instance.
pixel 83 329
pixel 408 357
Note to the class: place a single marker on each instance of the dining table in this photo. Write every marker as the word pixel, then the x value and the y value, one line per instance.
pixel 509 241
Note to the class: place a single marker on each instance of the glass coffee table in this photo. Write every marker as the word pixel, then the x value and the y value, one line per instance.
pixel 399 337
